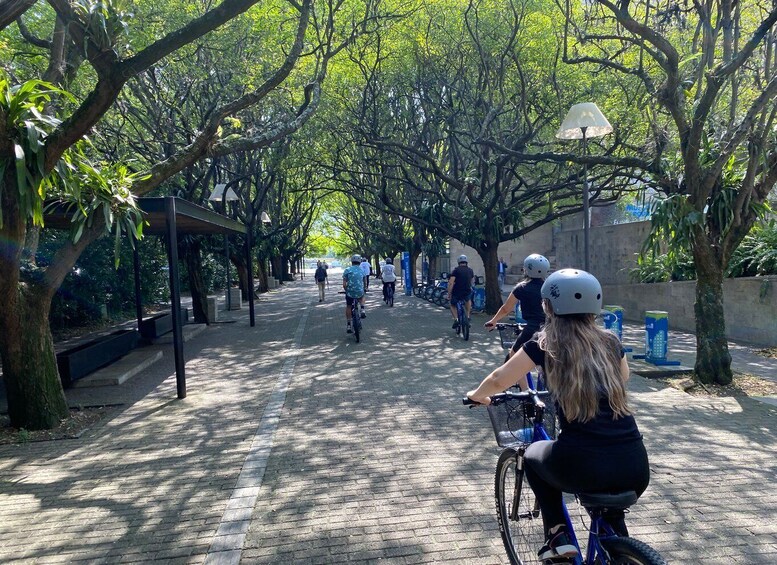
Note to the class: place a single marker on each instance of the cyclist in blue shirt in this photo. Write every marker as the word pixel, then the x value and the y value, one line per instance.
pixel 599 447
pixel 353 284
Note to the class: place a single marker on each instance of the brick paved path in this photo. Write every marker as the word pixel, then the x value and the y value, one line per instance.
pixel 300 446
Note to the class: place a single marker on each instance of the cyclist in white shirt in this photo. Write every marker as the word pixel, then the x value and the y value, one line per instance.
pixel 366 269
pixel 388 276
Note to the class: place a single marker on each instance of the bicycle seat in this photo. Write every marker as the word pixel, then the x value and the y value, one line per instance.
pixel 602 500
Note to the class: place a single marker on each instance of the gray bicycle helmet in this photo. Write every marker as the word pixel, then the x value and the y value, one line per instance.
pixel 463 259
pixel 389 261
pixel 536 266
pixel 573 291
pixel 356 258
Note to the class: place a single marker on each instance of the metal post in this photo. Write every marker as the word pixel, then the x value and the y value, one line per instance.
pixel 586 215
pixel 250 262
pixel 226 264
pixel 136 269
pixel 175 296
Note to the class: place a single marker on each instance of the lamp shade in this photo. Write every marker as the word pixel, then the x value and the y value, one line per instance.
pixel 266 218
pixel 586 115
pixel 218 193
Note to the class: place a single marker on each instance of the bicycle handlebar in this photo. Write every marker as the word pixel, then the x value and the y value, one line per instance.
pixel 523 396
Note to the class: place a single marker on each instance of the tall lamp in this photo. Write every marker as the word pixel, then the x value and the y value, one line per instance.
pixel 584 121
pixel 219 195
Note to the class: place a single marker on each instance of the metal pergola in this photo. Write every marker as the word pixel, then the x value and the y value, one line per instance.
pixel 170 217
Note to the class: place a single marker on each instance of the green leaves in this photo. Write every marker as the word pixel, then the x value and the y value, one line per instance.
pixel 23 107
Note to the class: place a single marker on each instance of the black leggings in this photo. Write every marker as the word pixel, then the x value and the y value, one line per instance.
pixel 526 334
pixel 553 467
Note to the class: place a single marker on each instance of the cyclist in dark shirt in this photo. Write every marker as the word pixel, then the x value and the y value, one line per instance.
pixel 599 447
pixel 460 288
pixel 527 294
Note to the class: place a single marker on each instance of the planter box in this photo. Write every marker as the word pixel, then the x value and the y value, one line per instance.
pixel 86 358
pixel 159 325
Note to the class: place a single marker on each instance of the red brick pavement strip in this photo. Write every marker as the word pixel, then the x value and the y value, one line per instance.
pixel 374 457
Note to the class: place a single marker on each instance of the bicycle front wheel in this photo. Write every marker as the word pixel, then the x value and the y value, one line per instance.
pixel 629 551
pixel 517 511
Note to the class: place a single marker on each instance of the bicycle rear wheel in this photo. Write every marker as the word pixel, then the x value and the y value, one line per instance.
pixel 465 328
pixel 390 297
pixel 356 322
pixel 524 534
pixel 629 551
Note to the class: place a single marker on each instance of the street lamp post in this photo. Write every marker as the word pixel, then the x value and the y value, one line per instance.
pixel 584 121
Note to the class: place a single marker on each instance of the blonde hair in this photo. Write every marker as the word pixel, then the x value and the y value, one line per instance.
pixel 582 364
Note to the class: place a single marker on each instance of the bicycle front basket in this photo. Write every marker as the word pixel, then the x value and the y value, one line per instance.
pixel 511 422
pixel 507 336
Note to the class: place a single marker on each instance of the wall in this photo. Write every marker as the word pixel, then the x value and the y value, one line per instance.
pixel 513 252
pixel 613 249
pixel 749 303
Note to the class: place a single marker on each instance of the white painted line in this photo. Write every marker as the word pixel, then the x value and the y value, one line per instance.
pixel 227 546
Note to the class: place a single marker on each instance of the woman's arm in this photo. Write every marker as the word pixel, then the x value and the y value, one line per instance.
pixel 505 309
pixel 512 372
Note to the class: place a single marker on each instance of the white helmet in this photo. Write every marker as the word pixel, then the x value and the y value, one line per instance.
pixel 573 291
pixel 463 259
pixel 356 258
pixel 536 266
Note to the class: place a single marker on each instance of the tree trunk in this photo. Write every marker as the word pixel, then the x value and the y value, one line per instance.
pixel 36 400
pixel 192 256
pixel 414 254
pixel 713 361
pixel 263 285
pixel 276 262
pixel 489 253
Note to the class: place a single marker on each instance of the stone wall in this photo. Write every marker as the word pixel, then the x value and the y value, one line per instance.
pixel 749 303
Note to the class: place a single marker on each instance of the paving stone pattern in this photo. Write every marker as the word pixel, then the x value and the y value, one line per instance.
pixel 372 458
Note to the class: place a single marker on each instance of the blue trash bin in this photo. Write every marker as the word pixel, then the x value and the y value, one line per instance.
pixel 613 319
pixel 479 298
pixel 656 335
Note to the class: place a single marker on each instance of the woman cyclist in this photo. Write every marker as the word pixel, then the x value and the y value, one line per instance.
pixel 599 447
pixel 527 294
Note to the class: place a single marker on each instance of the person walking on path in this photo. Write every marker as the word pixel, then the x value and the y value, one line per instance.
pixel 502 270
pixel 366 270
pixel 388 276
pixel 460 288
pixel 322 280
pixel 527 294
pixel 353 284
pixel 599 447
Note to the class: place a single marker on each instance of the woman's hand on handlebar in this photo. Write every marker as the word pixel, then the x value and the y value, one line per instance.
pixel 484 400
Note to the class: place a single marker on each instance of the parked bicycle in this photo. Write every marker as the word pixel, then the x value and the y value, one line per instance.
pixel 518 419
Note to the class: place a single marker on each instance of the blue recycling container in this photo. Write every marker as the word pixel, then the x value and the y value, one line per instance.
pixel 613 319
pixel 406 273
pixel 656 335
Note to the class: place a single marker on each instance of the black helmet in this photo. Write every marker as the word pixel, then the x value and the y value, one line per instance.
pixel 389 261
pixel 573 291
